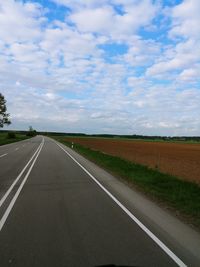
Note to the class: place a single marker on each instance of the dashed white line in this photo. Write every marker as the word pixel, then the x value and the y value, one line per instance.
pixel 171 254
pixel 19 176
pixel 3 155
pixel 8 210
pixel 16 148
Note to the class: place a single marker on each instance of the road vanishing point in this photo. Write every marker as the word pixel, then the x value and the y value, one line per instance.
pixel 58 209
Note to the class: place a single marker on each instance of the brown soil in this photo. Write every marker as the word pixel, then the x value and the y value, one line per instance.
pixel 179 159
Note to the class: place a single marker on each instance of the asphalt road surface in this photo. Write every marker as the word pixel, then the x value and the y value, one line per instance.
pixel 58 209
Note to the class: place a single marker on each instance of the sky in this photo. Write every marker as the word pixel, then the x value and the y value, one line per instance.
pixel 102 66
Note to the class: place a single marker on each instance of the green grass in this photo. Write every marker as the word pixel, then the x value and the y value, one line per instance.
pixel 181 196
pixel 5 140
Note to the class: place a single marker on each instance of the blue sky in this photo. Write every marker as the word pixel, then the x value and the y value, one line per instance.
pixel 110 66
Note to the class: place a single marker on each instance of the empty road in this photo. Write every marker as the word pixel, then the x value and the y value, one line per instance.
pixel 58 209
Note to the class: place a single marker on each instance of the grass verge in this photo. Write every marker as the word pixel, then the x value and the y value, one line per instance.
pixel 180 196
pixel 5 140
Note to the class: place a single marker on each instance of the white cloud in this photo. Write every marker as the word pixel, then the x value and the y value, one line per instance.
pixel 190 74
pixel 28 53
pixel 79 4
pixel 105 20
pixel 142 52
pixel 185 53
pixel 95 20
pixel 57 75
pixel 20 22
pixel 186 19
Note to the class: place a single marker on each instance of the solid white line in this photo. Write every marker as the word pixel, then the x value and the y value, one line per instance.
pixel 3 155
pixel 140 224
pixel 18 177
pixel 8 210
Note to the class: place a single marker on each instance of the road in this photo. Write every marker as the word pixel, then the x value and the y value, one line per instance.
pixel 58 209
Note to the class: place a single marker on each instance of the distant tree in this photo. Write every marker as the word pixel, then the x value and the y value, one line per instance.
pixel 4 117
pixel 31 131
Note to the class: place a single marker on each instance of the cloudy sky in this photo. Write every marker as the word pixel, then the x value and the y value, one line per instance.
pixel 102 66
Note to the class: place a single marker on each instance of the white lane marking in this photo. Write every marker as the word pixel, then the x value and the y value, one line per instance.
pixel 8 210
pixel 16 148
pixel 140 224
pixel 3 155
pixel 18 177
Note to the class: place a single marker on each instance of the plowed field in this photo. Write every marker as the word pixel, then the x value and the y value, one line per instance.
pixel 179 159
